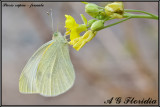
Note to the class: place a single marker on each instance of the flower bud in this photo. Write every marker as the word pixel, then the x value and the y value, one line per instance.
pixel 92 9
pixel 90 22
pixel 115 10
pixel 97 24
pixel 101 16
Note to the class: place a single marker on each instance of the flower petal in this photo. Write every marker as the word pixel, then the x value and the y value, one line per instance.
pixel 70 22
pixel 74 34
pixel 79 42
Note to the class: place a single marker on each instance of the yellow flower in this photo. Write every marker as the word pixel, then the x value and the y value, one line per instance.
pixel 79 42
pixel 73 28
pixel 115 10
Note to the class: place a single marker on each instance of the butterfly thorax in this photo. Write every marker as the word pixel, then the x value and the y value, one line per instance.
pixel 58 38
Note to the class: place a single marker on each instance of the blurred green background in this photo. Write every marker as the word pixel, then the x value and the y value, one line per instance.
pixel 121 61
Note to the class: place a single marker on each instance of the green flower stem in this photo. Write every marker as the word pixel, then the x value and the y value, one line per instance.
pixel 107 19
pixel 130 10
pixel 139 16
pixel 113 24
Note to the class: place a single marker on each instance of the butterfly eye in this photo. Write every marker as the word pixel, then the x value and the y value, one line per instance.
pixel 55 34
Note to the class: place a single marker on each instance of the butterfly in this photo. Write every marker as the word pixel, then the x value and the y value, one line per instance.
pixel 49 72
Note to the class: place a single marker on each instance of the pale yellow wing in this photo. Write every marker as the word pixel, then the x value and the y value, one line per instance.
pixel 49 71
pixel 55 73
pixel 27 82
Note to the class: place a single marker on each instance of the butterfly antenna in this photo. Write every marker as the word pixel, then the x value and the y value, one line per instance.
pixel 52 19
pixel 57 27
pixel 51 16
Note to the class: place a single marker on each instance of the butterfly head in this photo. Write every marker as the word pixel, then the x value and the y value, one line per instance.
pixel 56 34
